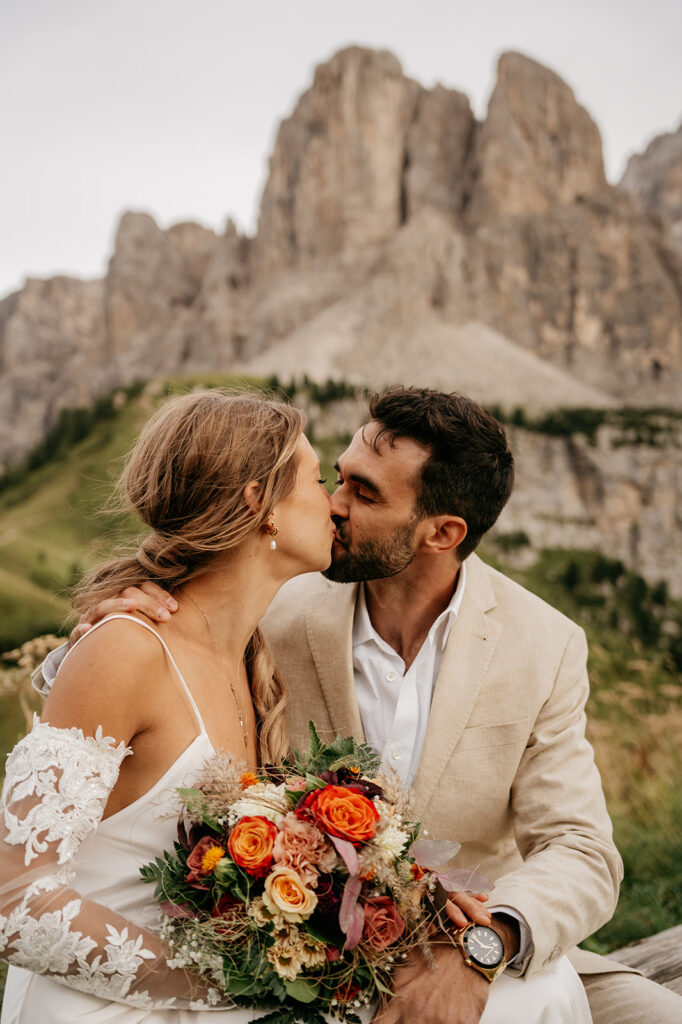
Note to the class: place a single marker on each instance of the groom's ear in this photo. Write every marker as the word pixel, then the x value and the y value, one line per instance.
pixel 444 533
pixel 253 496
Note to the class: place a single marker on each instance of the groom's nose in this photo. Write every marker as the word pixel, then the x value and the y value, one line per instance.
pixel 338 506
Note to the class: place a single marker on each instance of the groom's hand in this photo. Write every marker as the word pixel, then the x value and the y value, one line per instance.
pixel 149 599
pixel 452 992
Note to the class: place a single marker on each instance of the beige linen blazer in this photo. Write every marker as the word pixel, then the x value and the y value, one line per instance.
pixel 506 768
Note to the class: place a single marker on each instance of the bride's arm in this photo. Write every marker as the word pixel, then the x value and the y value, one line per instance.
pixel 59 780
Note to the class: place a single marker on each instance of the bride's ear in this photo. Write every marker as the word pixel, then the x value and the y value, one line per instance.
pixel 253 496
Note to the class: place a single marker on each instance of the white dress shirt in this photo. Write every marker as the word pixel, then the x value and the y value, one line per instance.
pixel 395 704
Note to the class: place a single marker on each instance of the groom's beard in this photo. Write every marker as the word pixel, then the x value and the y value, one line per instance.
pixel 372 559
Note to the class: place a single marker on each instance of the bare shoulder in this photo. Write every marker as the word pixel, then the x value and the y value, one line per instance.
pixel 110 679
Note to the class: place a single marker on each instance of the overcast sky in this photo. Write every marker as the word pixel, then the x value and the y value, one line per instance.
pixel 171 106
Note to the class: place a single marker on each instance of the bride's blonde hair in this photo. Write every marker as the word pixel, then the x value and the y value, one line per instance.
pixel 185 479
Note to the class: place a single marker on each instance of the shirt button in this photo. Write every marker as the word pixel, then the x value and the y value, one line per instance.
pixel 390 676
pixel 396 753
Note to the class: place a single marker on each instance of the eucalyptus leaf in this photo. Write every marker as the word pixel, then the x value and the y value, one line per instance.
pixel 301 990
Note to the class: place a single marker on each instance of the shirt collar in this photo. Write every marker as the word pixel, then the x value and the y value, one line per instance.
pixel 364 632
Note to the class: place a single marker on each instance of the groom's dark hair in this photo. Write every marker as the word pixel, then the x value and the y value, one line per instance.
pixel 470 469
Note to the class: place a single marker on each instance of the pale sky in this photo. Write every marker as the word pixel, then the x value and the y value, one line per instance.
pixel 171 106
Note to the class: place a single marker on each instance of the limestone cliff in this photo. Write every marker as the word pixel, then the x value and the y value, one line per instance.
pixel 654 178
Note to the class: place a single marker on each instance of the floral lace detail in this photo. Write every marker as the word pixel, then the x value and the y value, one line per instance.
pixel 69 806
pixel 57 785
pixel 46 944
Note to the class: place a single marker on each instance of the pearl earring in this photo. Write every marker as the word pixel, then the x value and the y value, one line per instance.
pixel 271 528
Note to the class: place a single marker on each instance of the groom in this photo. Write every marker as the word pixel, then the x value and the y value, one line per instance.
pixel 473 690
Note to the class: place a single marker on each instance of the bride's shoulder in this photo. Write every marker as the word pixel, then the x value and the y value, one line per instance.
pixel 110 678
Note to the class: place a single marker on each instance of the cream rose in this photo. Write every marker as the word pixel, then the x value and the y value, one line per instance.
pixel 286 893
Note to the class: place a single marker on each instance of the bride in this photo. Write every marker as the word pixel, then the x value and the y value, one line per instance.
pixel 230 490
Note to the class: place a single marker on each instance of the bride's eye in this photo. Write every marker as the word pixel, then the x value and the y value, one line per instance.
pixel 322 480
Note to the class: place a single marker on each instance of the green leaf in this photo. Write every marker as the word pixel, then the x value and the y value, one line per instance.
pixel 313 782
pixel 317 932
pixel 239 984
pixel 301 990
pixel 315 741
pixel 307 1015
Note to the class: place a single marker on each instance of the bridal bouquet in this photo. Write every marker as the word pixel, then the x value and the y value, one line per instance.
pixel 300 888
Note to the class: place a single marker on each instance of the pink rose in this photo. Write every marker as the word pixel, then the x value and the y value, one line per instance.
pixel 301 846
pixel 200 865
pixel 383 923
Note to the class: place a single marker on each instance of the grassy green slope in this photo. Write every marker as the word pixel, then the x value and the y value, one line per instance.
pixel 51 528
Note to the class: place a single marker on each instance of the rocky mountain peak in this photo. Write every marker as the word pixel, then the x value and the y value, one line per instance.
pixel 654 178
pixel 335 172
pixel 537 147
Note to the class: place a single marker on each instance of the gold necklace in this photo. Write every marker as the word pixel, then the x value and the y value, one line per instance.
pixel 245 733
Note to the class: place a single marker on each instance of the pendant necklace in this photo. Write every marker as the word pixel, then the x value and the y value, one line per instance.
pixel 201 611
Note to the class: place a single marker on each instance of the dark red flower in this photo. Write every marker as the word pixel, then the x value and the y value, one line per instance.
pixel 347 777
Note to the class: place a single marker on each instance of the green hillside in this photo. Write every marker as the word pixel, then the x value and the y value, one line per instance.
pixel 51 527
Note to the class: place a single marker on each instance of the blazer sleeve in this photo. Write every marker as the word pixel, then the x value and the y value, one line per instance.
pixel 568 885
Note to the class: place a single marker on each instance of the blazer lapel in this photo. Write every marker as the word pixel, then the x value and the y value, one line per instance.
pixel 467 655
pixel 329 625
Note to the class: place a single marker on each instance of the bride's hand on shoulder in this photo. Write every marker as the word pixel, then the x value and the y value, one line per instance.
pixel 149 599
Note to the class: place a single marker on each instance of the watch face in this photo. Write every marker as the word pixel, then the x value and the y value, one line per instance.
pixel 483 946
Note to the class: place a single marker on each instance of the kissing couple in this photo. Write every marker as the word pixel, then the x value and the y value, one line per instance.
pixel 256 603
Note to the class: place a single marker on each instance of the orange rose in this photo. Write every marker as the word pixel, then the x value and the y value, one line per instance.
pixel 251 843
pixel 286 893
pixel 341 811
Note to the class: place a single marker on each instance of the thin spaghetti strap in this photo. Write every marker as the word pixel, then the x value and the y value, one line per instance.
pixel 131 618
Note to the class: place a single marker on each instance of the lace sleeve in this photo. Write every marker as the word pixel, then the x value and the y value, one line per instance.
pixel 56 787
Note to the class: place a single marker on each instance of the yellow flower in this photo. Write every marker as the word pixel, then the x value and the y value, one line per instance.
pixel 211 858
pixel 247 779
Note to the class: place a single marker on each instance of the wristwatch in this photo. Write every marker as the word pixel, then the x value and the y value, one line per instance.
pixel 482 949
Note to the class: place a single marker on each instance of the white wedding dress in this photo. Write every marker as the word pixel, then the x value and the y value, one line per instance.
pixel 78 924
